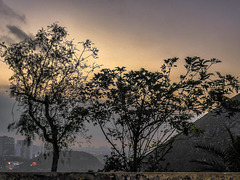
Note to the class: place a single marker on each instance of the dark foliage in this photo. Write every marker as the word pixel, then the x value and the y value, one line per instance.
pixel 139 111
pixel 223 159
pixel 49 75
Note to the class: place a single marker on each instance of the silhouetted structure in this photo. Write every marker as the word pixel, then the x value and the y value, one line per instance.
pixel 24 150
pixel 7 146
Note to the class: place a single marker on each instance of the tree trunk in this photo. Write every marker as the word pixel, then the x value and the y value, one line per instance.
pixel 55 158
pixel 135 162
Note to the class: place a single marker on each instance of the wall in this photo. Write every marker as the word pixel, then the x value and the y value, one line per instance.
pixel 119 176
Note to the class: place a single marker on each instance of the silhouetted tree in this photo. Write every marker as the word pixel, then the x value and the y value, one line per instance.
pixel 222 159
pixel 49 73
pixel 138 111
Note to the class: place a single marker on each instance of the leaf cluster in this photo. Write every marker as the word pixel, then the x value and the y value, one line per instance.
pixel 223 159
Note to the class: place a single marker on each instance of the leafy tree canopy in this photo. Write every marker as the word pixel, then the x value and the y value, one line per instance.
pixel 139 111
pixel 49 73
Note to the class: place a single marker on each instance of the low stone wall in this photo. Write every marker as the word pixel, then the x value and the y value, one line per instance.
pixel 120 176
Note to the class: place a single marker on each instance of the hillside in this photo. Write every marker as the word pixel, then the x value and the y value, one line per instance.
pixel 215 133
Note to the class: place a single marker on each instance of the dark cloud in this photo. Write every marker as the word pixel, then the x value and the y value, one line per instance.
pixel 9 13
pixel 17 32
pixel 10 23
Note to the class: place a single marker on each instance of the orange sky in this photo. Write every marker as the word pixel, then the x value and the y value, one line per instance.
pixel 133 33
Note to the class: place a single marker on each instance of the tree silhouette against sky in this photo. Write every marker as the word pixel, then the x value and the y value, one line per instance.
pixel 49 73
pixel 138 111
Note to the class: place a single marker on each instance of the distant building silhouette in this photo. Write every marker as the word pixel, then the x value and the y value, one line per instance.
pixel 7 146
pixel 23 150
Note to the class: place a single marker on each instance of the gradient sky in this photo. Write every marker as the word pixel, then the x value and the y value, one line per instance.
pixel 132 33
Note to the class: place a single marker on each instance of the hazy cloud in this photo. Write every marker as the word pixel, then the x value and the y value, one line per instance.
pixel 17 32
pixel 9 113
pixel 7 12
pixel 6 105
pixel 3 88
pixel 7 40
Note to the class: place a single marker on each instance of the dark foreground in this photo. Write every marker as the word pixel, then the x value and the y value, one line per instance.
pixel 120 176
